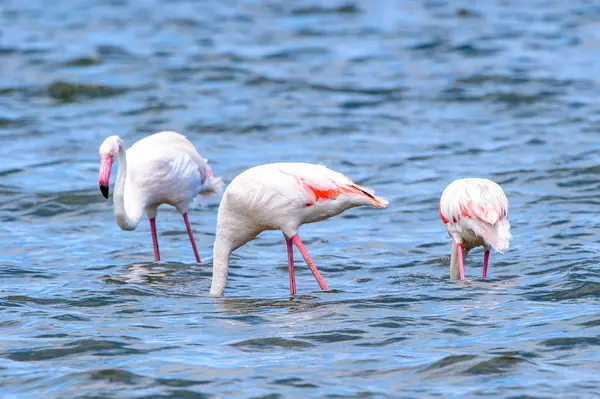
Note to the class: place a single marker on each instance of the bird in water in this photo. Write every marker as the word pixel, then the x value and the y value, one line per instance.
pixel 475 212
pixel 281 196
pixel 164 168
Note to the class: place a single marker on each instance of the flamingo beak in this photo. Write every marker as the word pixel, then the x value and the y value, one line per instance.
pixel 104 176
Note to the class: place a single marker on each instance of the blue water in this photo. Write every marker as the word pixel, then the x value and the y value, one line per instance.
pixel 402 97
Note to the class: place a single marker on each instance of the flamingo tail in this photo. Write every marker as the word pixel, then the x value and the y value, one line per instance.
pixel 369 196
pixel 495 235
pixel 214 185
pixel 499 237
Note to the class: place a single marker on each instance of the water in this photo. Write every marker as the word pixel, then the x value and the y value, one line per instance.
pixel 400 96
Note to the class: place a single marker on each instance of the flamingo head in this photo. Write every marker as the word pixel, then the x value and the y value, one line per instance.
pixel 111 146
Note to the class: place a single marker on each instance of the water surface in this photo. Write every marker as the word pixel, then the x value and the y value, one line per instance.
pixel 403 97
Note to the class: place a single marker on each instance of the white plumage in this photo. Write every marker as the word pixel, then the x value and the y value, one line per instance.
pixel 164 168
pixel 281 196
pixel 475 213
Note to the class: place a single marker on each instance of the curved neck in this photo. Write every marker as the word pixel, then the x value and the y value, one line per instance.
pixel 454 269
pixel 233 230
pixel 124 220
pixel 221 255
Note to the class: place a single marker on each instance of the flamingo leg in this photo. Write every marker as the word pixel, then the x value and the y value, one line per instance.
pixel 290 251
pixel 154 239
pixel 309 262
pixel 461 267
pixel 486 258
pixel 191 235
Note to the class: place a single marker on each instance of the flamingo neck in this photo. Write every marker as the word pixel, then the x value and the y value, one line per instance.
pixel 233 231
pixel 125 220
pixel 454 269
pixel 221 254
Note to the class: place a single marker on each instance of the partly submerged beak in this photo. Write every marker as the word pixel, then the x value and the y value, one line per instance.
pixel 104 176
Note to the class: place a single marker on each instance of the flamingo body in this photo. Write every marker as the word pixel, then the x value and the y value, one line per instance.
pixel 475 213
pixel 164 168
pixel 281 196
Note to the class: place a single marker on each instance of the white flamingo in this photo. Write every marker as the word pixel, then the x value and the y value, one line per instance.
pixel 475 212
pixel 281 196
pixel 164 168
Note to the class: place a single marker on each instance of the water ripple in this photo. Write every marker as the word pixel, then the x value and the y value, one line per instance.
pixel 403 97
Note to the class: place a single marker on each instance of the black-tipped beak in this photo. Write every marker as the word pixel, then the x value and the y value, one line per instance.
pixel 104 191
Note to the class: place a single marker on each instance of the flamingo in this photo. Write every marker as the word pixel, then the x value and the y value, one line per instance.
pixel 164 168
pixel 281 196
pixel 475 212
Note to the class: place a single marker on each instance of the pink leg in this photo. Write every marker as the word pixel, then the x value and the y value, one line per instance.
pixel 461 267
pixel 486 257
pixel 154 239
pixel 290 251
pixel 189 230
pixel 309 262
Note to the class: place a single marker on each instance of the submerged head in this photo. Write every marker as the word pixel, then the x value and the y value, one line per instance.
pixel 111 146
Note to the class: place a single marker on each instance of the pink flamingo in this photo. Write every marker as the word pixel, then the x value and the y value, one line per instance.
pixel 164 168
pixel 281 196
pixel 475 212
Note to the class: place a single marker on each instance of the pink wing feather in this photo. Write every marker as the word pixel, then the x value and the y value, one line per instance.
pixel 473 199
pixel 320 183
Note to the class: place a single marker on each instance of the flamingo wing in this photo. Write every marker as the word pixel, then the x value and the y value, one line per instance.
pixel 319 183
pixel 171 141
pixel 179 144
pixel 478 199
